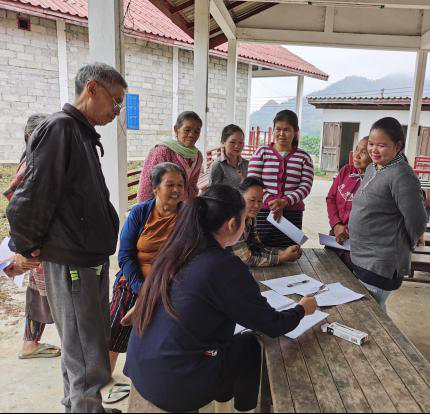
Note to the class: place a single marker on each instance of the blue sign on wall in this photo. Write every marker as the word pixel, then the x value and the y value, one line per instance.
pixel 132 110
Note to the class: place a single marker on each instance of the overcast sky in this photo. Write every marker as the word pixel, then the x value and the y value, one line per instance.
pixel 338 63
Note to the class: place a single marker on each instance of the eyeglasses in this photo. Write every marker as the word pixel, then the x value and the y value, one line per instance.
pixel 117 107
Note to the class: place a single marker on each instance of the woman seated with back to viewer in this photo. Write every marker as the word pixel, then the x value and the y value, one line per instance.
pixel 341 194
pixel 250 248
pixel 183 354
pixel 388 215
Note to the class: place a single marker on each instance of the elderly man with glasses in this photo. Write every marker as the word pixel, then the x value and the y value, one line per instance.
pixel 61 215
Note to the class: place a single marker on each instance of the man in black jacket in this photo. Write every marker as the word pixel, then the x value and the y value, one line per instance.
pixel 61 215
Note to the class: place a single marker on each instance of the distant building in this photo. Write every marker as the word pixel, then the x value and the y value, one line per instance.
pixel 44 42
pixel 347 119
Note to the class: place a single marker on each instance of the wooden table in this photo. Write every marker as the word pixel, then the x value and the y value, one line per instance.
pixel 321 373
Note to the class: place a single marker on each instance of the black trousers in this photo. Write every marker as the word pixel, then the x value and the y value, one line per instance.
pixel 241 373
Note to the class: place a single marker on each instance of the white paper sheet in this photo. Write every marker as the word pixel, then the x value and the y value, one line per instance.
pixel 288 228
pixel 307 323
pixel 5 264
pixel 337 294
pixel 281 285
pixel 5 253
pixel 239 329
pixel 330 241
pixel 277 301
pixel 19 280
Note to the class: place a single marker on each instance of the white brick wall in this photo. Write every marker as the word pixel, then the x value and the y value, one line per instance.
pixel 29 84
pixel 28 78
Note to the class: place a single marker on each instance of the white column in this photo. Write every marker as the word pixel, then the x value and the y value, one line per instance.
pixel 230 114
pixel 106 45
pixel 175 103
pixel 415 112
pixel 299 98
pixel 62 62
pixel 248 103
pixel 201 67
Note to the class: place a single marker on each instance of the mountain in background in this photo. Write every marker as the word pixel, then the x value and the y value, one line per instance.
pixel 391 85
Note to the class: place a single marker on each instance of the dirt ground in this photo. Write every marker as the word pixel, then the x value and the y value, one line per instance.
pixel 36 385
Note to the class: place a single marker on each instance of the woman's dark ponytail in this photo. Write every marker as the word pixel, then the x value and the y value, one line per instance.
pixel 196 222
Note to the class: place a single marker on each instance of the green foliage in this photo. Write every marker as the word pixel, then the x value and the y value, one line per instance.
pixel 311 144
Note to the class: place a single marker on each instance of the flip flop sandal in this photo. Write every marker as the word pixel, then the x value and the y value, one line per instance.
pixel 117 393
pixel 42 353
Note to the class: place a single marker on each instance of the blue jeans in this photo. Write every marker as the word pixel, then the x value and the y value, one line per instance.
pixel 380 295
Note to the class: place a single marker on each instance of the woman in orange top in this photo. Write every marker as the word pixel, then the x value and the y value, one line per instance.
pixel 146 230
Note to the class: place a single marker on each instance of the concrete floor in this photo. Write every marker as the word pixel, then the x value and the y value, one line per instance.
pixel 36 385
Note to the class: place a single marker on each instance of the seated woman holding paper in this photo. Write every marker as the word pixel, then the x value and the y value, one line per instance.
pixel 341 194
pixel 250 248
pixel 287 173
pixel 183 354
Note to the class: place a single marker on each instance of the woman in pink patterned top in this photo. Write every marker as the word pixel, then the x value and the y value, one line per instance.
pixel 182 152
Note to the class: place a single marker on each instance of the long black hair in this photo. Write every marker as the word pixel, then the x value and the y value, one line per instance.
pixel 197 221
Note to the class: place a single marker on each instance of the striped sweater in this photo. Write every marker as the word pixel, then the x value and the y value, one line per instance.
pixel 288 178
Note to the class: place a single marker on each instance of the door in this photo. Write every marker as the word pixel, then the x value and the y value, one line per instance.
pixel 423 148
pixel 332 134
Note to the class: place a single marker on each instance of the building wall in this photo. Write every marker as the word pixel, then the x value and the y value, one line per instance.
pixel 28 78
pixel 29 83
pixel 366 118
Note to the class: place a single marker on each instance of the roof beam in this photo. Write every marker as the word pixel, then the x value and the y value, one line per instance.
pixel 425 41
pixel 222 16
pixel 270 73
pixel 221 38
pixel 176 18
pixel 398 4
pixel 342 40
pixel 329 20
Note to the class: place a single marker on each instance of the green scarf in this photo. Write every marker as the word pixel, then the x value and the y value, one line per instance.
pixel 175 146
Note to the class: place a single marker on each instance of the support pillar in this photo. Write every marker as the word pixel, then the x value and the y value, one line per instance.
pixel 107 46
pixel 416 104
pixel 299 98
pixel 62 62
pixel 230 117
pixel 201 67
pixel 248 103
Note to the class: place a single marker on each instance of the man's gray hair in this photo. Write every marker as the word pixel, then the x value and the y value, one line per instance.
pixel 100 72
pixel 33 122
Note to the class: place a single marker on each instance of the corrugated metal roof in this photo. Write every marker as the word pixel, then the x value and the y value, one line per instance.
pixel 363 100
pixel 145 18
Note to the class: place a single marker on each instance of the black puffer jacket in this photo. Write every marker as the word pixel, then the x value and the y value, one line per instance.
pixel 62 206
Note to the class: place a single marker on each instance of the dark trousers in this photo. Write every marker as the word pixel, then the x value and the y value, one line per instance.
pixel 241 374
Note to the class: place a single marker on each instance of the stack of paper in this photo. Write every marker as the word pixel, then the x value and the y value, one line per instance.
pixel 289 229
pixel 292 285
pixel 336 294
pixel 330 241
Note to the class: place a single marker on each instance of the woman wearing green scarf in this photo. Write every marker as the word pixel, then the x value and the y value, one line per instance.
pixel 182 152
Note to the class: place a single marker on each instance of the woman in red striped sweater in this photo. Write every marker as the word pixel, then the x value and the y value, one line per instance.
pixel 287 173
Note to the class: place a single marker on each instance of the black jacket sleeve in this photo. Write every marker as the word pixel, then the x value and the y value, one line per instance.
pixel 35 201
pixel 238 294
